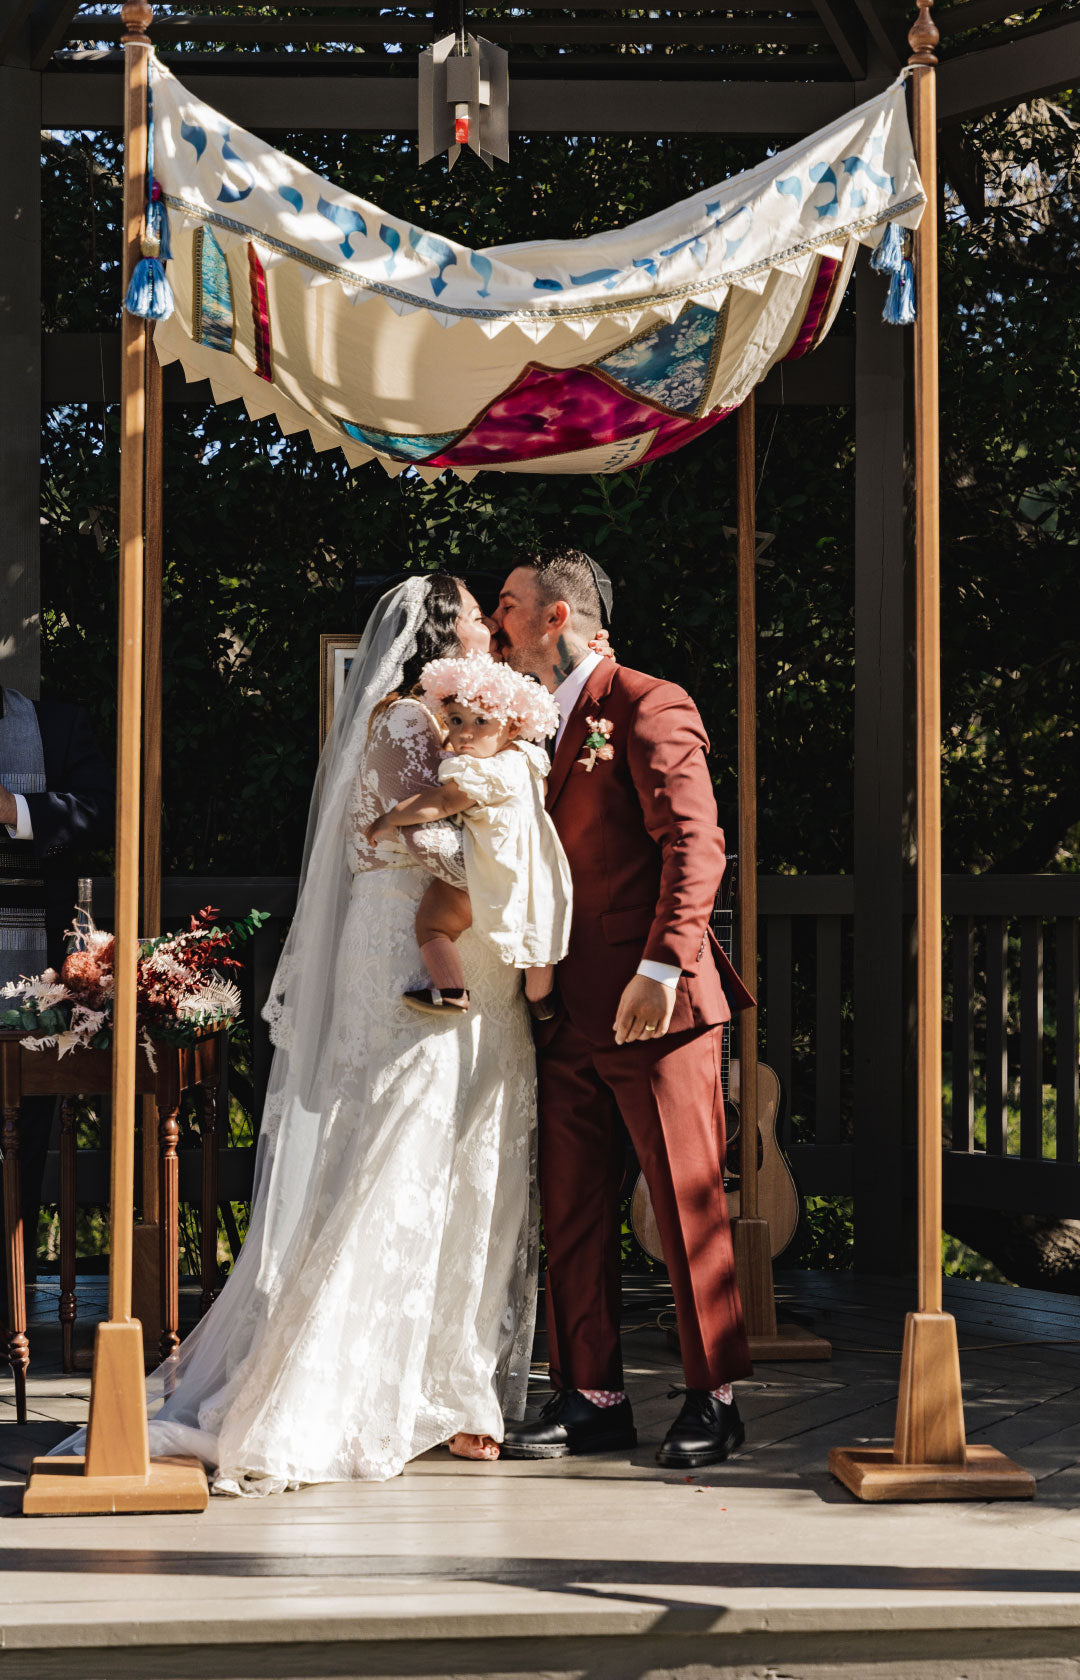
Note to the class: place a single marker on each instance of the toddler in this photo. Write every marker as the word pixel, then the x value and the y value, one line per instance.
pixel 492 778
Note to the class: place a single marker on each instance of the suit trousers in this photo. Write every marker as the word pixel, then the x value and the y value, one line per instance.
pixel 669 1097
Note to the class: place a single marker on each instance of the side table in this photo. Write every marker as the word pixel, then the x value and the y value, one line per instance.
pixel 25 1072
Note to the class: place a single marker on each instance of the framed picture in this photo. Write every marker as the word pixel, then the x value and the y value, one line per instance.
pixel 335 657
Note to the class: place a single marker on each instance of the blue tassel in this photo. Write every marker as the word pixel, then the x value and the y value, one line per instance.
pixel 899 308
pixel 889 253
pixel 157 226
pixel 149 294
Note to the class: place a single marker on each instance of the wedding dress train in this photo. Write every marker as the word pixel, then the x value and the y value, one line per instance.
pixel 403 1309
pixel 384 1298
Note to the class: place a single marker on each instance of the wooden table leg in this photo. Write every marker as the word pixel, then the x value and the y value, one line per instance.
pixel 168 1101
pixel 208 1070
pixel 18 1345
pixel 69 1115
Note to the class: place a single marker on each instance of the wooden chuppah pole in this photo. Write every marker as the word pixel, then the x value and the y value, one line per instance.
pixel 750 1232
pixel 924 37
pixel 116 1473
pixel 929 1457
pixel 147 1260
pixel 746 501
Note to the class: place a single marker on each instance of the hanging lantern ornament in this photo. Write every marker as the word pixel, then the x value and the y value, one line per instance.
pixel 464 99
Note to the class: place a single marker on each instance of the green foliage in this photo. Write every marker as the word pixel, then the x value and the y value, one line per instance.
pixel 1011 506
pixel 243 928
pixel 958 1260
pixel 267 545
pixel 823 1240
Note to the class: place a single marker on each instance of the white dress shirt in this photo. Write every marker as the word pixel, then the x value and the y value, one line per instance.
pixel 24 828
pixel 569 690
pixel 566 697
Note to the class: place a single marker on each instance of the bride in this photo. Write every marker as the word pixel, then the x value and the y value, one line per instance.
pixel 383 1301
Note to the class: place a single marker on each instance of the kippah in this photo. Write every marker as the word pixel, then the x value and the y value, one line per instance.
pixel 603 589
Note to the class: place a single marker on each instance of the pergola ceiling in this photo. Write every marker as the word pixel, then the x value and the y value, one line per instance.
pixel 729 40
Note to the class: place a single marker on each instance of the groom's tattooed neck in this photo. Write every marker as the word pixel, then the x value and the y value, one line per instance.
pixel 571 653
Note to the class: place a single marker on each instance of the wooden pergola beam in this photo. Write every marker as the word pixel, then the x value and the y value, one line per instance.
pixel 1011 73
pixel 514 32
pixel 89 98
pixel 880 33
pixel 974 13
pixel 13 19
pixel 847 34
pixel 49 27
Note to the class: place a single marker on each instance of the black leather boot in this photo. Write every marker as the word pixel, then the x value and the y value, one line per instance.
pixel 705 1432
pixel 571 1424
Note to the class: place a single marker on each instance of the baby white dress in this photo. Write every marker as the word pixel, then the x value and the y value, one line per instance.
pixel 515 867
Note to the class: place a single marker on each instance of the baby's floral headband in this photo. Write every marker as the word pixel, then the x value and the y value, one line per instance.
pixel 475 679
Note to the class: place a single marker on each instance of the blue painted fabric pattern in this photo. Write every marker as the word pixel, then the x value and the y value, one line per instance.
pixel 671 365
pixel 213 322
pixel 400 447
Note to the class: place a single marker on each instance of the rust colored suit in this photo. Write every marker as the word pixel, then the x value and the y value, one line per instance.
pixel 646 857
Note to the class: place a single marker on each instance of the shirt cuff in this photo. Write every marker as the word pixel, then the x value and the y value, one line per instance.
pixel 664 972
pixel 24 828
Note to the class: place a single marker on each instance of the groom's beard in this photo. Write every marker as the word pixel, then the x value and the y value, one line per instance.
pixel 529 659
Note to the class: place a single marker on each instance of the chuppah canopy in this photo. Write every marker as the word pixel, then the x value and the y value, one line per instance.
pixel 393 343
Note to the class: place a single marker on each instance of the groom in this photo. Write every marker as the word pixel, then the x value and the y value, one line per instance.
pixel 644 990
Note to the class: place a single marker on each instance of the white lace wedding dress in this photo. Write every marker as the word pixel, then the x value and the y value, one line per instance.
pixel 407 1312
pixel 401 1309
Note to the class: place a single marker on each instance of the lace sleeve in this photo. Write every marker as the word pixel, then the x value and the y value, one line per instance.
pixel 401 758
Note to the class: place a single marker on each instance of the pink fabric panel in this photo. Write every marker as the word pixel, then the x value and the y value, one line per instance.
pixel 671 434
pixel 550 412
pixel 260 315
pixel 815 309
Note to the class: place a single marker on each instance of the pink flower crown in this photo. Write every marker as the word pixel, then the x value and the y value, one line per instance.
pixel 475 679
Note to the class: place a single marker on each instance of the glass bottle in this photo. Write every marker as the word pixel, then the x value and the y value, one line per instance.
pixel 78 937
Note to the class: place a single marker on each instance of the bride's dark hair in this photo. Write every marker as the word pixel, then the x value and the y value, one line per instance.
pixel 436 634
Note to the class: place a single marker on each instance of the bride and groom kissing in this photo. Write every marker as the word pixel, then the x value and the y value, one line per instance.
pixel 383 1302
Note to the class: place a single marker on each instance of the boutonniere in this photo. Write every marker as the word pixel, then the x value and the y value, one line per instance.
pixel 597 743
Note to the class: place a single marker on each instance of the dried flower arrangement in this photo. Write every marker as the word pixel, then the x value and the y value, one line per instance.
pixel 184 988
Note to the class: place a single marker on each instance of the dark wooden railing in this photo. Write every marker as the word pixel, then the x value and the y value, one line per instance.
pixel 1011 1041
pixel 1012 1004
pixel 1011 1051
pixel 804 989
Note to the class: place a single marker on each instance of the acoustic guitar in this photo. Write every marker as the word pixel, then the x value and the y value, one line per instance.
pixel 778 1196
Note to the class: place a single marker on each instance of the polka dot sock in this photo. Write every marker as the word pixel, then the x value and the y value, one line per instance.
pixel 606 1397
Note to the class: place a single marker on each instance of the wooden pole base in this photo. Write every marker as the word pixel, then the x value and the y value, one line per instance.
pixel 116 1473
pixel 791 1341
pixel 60 1487
pixel 930 1408
pixel 754 1275
pixel 930 1458
pixel 873 1475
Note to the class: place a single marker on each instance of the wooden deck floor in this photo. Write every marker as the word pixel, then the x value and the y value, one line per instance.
pixel 609 1568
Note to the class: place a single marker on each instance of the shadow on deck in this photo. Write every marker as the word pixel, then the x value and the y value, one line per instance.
pixel 606 1567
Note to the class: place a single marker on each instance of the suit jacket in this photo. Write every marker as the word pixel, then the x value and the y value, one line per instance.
pixel 646 854
pixel 75 813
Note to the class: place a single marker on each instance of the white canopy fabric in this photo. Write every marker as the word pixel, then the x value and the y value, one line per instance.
pixel 391 342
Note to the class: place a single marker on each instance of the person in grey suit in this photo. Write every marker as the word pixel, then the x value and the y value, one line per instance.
pixel 56 804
